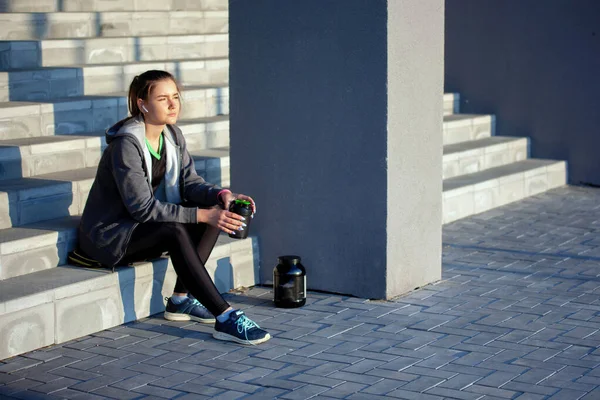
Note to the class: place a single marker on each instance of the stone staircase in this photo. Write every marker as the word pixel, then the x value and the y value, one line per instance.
pixel 483 171
pixel 65 67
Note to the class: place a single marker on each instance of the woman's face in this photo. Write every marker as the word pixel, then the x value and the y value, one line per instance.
pixel 162 104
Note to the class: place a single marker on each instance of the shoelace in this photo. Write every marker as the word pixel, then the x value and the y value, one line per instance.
pixel 243 324
pixel 197 303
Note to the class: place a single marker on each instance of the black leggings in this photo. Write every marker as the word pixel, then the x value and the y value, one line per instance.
pixel 189 246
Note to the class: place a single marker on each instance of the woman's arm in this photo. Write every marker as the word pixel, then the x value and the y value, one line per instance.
pixel 128 172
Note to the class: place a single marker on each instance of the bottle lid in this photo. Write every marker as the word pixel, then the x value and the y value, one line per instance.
pixel 289 259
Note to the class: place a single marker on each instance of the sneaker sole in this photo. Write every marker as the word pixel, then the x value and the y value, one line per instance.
pixel 230 338
pixel 185 317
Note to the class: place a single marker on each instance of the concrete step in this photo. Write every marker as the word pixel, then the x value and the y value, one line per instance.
pixel 30 157
pixel 478 155
pixel 44 197
pixel 213 165
pixel 482 191
pixel 36 247
pixel 77 115
pixel 451 103
pixel 59 304
pixel 64 193
pixel 50 83
pixel 48 6
pixel 20 54
pixel 71 25
pixel 459 128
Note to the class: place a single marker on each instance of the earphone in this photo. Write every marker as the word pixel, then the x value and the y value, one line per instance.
pixel 144 108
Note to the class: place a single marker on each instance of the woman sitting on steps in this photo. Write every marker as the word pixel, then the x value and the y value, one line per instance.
pixel 147 199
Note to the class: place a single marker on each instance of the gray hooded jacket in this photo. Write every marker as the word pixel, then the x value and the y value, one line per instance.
pixel 121 196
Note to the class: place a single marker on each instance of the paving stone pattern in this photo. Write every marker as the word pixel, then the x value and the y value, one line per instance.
pixel 516 316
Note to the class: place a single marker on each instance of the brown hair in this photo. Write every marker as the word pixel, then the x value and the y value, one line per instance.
pixel 141 86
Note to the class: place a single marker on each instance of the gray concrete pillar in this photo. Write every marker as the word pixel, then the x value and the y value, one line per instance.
pixel 336 131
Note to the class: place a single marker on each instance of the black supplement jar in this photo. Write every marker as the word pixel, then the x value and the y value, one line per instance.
pixel 289 282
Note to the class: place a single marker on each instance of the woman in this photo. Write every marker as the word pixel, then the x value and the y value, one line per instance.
pixel 147 199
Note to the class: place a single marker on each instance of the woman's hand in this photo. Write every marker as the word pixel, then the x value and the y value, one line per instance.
pixel 225 220
pixel 228 197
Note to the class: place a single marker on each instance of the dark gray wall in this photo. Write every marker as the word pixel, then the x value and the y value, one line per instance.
pixel 308 135
pixel 536 65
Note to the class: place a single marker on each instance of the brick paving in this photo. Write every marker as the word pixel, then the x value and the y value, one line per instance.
pixel 516 316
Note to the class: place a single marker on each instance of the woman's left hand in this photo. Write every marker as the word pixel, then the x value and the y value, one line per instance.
pixel 228 197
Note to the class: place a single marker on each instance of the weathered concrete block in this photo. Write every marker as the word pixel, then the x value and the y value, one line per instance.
pixel 17 241
pixel 450 169
pixel 104 118
pixel 91 312
pixel 92 156
pixel 23 59
pixel 21 127
pixel 457 132
pixel 26 330
pixel 13 168
pixel 68 26
pixel 153 5
pixel 195 5
pixel 28 6
pixel 113 5
pixel 536 184
pixel 144 287
pixel 511 191
pixel 49 207
pixel 100 84
pixel 47 163
pixel 37 259
pixel 470 165
pixel 486 198
pixel 213 22
pixel 245 261
pixel 70 122
pixel 450 103
pixel 149 23
pixel 458 206
pixel 115 24
pixel 557 174
pixel 482 127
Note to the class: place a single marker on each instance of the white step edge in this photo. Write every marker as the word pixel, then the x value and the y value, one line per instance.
pixel 459 128
pixel 472 194
pixel 478 155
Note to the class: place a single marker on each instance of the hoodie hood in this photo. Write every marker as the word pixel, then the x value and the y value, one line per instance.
pixel 132 126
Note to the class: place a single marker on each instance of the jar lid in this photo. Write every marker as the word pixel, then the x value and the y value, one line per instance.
pixel 289 259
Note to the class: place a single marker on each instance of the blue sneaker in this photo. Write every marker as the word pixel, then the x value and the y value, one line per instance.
pixel 189 310
pixel 241 329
